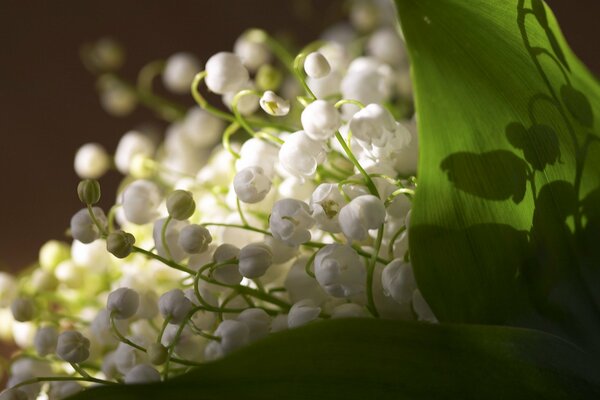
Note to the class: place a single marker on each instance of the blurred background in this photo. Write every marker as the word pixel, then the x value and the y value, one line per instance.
pixel 49 104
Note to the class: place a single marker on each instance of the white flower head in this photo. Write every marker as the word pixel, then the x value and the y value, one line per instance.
pixel 123 303
pixel 45 340
pixel 316 65
pixel 326 202
pixel 340 271
pixel 253 53
pixel 226 272
pixel 255 259
pixel 399 281
pixel 258 322
pixel 140 201
pixel 91 161
pixel 83 227
pixel 171 238
pixel 274 105
pixel 142 373
pixel 132 144
pixel 361 214
pixel 320 120
pixel 180 70
pixel 290 221
pixel 225 73
pixel 73 347
pixel 251 185
pixel 194 239
pixel 300 155
pixel 302 313
pixel 174 305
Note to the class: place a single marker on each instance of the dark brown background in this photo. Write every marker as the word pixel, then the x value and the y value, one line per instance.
pixel 48 105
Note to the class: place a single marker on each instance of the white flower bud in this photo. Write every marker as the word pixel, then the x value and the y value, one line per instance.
pixel 302 313
pixel 201 128
pixel 320 120
pixel 385 45
pixel 180 70
pixel 361 214
pixel 290 221
pixel 225 73
pixel 258 322
pixel 326 202
pixel 233 334
pixel 132 144
pixel 251 185
pixel 300 155
pixel 349 310
pixel 22 309
pixel 274 105
pixel 148 308
pixel 140 201
pixel 180 204
pixel 142 373
pixel 258 153
pixel 377 132
pixel 421 307
pixel 123 303
pixel 368 81
pixel 8 289
pixel 174 305
pixel 246 104
pixel 281 252
pixel 91 161
pixel 171 237
pixel 227 273
pixel 255 259
pixel 62 390
pixel 45 340
pixel 127 357
pixel 252 53
pixel 73 347
pixel 83 228
pixel 340 271
pixel 194 239
pixel 398 281
pixel 316 65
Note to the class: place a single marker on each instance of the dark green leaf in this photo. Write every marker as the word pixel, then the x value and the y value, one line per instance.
pixel 378 359
pixel 508 158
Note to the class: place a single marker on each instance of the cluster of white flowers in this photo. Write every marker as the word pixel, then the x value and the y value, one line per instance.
pixel 211 246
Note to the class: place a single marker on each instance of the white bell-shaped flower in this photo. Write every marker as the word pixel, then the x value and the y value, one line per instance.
pixel 251 185
pixel 316 65
pixel 280 251
pixel 73 347
pixel 142 373
pixel 233 334
pixel 140 201
pixel 340 271
pixel 132 144
pixel 326 202
pixel 290 221
pixel 361 214
pixel 258 322
pixel 368 81
pixel 246 104
pixel 258 153
pixel 123 303
pixel 421 308
pixel 377 132
pixel 148 308
pixel 171 237
pixel 83 227
pixel 174 305
pixel 398 281
pixel 273 104
pixel 63 390
pixel 91 161
pixel 386 45
pixel 180 70
pixel 127 357
pixel 300 155
pixel 225 73
pixel 255 259
pixel 201 129
pixel 45 340
pixel 302 313
pixel 101 329
pixel 252 53
pixel 227 273
pixel 320 120
pixel 194 239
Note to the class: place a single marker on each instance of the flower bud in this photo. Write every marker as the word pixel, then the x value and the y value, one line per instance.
pixel 120 243
pixel 142 373
pixel 252 53
pixel 361 214
pixel 82 226
pixel 91 161
pixel 132 144
pixel 171 238
pixel 326 202
pixel 123 303
pixel 225 73
pixel 73 347
pixel 181 204
pixel 157 353
pixel 316 65
pixel 398 281
pixel 88 191
pixel 22 309
pixel 63 389
pixel 194 239
pixel 290 221
pixel 140 201
pixel 340 271
pixel 258 322
pixel 300 155
pixel 174 305
pixel 349 310
pixel 180 70
pixel 274 105
pixel 255 259
pixel 302 313
pixel 227 273
pixel 268 77
pixel 251 185
pixel 233 334
pixel 45 340
pixel 320 120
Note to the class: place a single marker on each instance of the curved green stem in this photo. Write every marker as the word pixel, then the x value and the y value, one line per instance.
pixel 163 237
pixel 370 185
pixel 371 271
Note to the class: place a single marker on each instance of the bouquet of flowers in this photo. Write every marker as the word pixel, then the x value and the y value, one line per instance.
pixel 268 248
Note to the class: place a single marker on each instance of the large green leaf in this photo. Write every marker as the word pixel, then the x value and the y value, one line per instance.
pixel 506 221
pixel 376 359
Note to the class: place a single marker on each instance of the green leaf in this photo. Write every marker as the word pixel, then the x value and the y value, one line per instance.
pixel 505 228
pixel 378 359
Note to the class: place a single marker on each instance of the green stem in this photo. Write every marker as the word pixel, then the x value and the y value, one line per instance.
pixel 370 185
pixel 163 237
pixel 371 271
pixel 169 263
